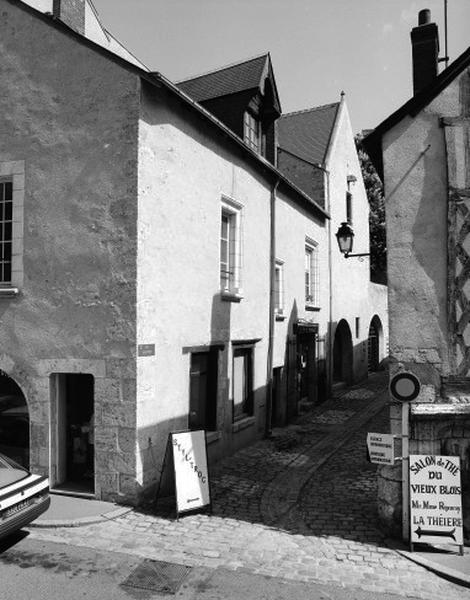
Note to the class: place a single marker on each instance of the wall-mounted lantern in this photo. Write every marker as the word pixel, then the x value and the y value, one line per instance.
pixel 345 237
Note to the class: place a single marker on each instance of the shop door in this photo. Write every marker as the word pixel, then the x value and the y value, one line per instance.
pixel 73 444
pixel 306 367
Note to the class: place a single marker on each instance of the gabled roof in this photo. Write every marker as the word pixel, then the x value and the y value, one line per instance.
pixel 373 142
pixel 94 29
pixel 157 79
pixel 307 133
pixel 246 75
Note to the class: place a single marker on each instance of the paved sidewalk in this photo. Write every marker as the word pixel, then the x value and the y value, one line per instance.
pixel 300 506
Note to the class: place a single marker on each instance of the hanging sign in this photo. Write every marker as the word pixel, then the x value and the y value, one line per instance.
pixel 191 474
pixel 381 448
pixel 405 387
pixel 436 499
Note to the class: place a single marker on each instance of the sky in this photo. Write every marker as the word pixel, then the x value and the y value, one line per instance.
pixel 318 47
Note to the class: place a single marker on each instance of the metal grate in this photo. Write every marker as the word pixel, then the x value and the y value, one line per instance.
pixel 157 576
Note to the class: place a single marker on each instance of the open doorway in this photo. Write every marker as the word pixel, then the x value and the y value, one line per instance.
pixel 373 344
pixel 14 421
pixel 73 455
pixel 342 354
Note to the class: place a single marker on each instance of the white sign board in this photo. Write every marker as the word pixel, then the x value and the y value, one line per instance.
pixel 435 499
pixel 191 475
pixel 381 448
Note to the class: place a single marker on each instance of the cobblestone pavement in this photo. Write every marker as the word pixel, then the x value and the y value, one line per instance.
pixel 299 506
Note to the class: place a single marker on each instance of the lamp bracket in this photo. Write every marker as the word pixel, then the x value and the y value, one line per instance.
pixel 347 255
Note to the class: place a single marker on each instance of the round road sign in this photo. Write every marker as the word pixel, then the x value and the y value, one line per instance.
pixel 405 387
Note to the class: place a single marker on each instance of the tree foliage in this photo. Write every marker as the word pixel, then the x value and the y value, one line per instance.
pixel 378 238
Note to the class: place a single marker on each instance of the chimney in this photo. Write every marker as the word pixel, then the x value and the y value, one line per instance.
pixel 425 45
pixel 70 12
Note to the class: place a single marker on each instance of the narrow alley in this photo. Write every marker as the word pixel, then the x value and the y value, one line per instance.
pixel 299 506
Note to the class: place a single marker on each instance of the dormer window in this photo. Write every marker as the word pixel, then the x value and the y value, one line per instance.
pixel 251 131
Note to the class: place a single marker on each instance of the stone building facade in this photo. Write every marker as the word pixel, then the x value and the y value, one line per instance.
pixel 317 151
pixel 116 313
pixel 422 152
pixel 153 272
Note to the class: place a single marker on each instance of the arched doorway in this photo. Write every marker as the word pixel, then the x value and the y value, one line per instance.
pixel 342 353
pixel 374 342
pixel 14 421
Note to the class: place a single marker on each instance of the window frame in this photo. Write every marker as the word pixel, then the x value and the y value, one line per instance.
pixel 312 274
pixel 252 131
pixel 247 405
pixel 6 230
pixel 349 207
pixel 14 172
pixel 279 288
pixel 230 276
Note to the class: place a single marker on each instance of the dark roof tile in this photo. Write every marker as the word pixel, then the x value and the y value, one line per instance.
pixel 229 80
pixel 307 133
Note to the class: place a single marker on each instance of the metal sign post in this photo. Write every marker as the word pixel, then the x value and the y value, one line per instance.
pixel 405 387
pixel 405 474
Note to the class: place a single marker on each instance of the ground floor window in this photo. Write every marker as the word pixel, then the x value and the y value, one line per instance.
pixel 203 391
pixel 242 383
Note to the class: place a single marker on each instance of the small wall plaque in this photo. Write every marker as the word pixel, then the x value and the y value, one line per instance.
pixel 146 350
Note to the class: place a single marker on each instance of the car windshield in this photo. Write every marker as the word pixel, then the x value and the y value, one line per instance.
pixel 10 471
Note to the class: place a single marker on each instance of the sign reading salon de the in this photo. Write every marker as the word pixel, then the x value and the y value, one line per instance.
pixel 435 499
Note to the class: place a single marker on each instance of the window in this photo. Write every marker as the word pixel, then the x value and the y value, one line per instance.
pixel 6 230
pixel 242 383
pixel 349 215
pixel 279 288
pixel 203 391
pixel 311 274
pixel 251 131
pixel 230 250
pixel 11 226
pixel 358 326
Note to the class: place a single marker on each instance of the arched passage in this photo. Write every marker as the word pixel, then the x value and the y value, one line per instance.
pixel 374 344
pixel 14 421
pixel 342 353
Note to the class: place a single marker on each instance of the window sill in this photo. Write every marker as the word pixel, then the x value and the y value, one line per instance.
pixel 243 424
pixel 313 307
pixel 213 436
pixel 8 292
pixel 229 296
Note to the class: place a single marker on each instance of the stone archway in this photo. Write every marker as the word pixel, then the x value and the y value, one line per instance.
pixel 374 344
pixel 14 421
pixel 343 353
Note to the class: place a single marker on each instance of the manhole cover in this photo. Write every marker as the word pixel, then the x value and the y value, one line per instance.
pixel 157 576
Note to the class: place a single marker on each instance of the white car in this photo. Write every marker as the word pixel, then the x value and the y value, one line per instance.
pixel 23 496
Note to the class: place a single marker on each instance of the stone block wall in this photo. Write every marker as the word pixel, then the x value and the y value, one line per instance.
pixel 114 416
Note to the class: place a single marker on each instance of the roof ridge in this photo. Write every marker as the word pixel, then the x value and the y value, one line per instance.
pixel 217 70
pixel 306 110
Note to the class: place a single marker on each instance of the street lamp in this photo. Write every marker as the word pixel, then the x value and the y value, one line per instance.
pixel 345 237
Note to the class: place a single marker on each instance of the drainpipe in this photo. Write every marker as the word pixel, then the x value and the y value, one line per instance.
pixel 329 350
pixel 272 265
pixel 329 354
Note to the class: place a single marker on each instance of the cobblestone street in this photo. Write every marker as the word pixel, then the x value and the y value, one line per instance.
pixel 300 506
